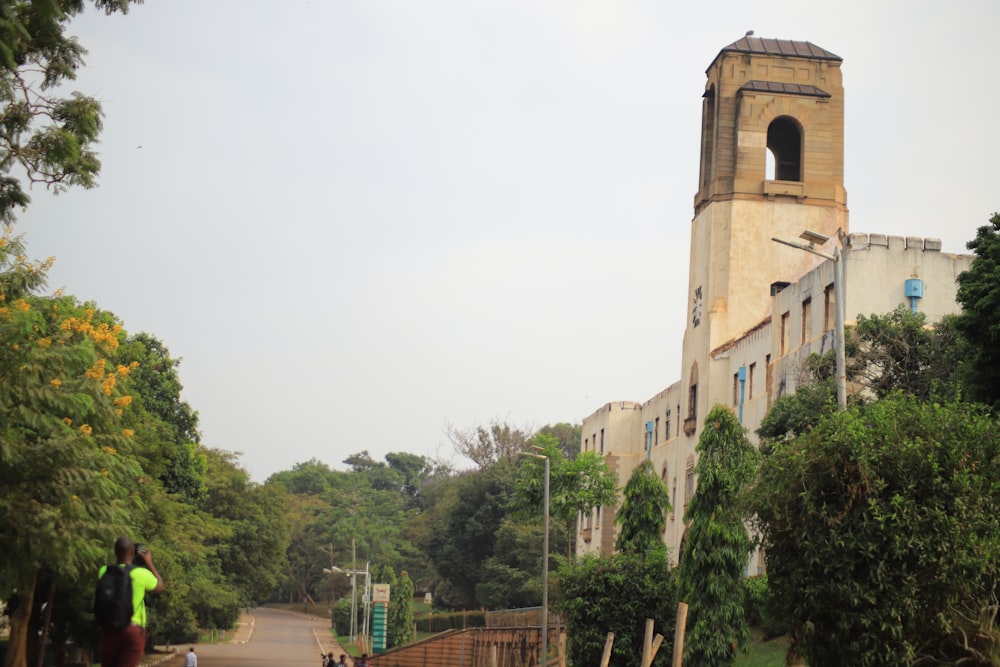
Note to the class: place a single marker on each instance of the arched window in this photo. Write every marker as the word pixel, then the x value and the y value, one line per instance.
pixel 784 142
pixel 707 136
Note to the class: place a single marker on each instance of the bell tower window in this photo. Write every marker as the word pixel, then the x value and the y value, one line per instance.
pixel 784 142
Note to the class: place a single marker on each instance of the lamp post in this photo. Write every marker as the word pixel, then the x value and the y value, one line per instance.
pixel 545 558
pixel 838 295
pixel 366 602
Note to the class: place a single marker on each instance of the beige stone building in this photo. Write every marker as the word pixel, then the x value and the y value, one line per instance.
pixel 772 166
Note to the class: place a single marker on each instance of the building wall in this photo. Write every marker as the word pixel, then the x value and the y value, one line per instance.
pixel 876 268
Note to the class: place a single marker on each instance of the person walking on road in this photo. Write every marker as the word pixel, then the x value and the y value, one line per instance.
pixel 191 659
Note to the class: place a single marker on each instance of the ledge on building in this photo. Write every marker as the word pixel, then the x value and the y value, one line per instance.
pixel 795 189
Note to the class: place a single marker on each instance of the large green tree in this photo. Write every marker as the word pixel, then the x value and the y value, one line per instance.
pixel 643 514
pixel 568 436
pixel 67 482
pixel 576 485
pixel 882 531
pixel 45 138
pixel 979 322
pixel 717 547
pixel 901 351
pixel 465 537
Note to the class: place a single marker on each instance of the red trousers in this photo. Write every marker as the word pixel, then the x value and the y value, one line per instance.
pixel 122 648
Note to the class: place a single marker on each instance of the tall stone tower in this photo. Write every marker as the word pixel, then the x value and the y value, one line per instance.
pixel 772 165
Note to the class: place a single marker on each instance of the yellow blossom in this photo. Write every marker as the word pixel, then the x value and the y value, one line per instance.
pixel 108 385
pixel 86 429
pixel 44 342
pixel 76 499
pixel 123 401
pixel 22 305
pixel 55 382
pixel 69 422
pixel 127 432
pixel 96 372
pixel 104 471
pixel 108 450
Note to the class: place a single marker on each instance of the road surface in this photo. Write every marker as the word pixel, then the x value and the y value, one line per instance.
pixel 276 639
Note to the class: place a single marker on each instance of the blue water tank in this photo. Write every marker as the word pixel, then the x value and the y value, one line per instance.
pixel 914 288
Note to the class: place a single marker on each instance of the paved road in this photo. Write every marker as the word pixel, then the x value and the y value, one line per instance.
pixel 275 639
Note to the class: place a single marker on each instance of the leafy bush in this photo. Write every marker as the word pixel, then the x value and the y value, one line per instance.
pixel 763 611
pixel 882 533
pixel 617 594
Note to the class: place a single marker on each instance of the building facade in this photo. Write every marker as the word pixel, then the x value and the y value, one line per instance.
pixel 772 166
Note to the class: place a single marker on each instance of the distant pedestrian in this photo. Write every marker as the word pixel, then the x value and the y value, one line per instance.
pixel 191 659
pixel 341 662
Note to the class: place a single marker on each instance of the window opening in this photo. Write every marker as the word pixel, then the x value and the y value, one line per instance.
pixel 784 141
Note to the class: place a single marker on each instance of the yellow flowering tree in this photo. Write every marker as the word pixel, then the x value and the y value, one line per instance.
pixel 67 485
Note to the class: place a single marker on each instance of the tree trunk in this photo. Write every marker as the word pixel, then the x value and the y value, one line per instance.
pixel 17 643
pixel 43 636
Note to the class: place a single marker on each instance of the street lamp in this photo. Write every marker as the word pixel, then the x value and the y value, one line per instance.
pixel 353 574
pixel 838 294
pixel 545 558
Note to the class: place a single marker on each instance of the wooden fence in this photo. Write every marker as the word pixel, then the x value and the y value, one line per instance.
pixel 473 647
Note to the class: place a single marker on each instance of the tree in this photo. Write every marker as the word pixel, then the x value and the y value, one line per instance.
pixel 47 139
pixel 568 436
pixel 882 532
pixel 485 445
pixel 979 322
pixel 67 483
pixel 795 414
pixel 643 514
pixel 401 611
pixel 511 576
pixel 712 564
pixel 575 485
pixel 900 351
pixel 165 426
pixel 465 538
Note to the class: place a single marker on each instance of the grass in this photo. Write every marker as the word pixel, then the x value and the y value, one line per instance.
pixel 762 653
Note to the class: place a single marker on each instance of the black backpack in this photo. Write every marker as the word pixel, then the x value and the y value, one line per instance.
pixel 113 597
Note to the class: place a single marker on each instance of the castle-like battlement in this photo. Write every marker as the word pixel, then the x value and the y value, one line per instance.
pixel 860 241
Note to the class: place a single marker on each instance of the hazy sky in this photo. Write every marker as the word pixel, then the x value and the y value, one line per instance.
pixel 357 221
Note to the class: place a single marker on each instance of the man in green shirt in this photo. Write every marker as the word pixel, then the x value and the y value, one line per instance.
pixel 124 647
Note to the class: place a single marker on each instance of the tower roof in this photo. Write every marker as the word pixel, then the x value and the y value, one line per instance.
pixel 756 86
pixel 778 47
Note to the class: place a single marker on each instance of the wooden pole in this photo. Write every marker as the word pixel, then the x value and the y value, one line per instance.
pixel 562 649
pixel 682 615
pixel 608 642
pixel 657 641
pixel 647 643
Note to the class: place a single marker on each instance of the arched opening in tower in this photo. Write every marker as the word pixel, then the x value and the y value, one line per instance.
pixel 784 144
